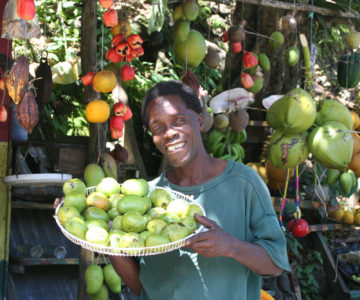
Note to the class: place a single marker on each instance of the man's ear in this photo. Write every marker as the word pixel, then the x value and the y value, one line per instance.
pixel 201 121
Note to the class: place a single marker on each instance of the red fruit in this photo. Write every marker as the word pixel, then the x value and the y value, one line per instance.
pixel 246 80
pixel 87 78
pixel 2 84
pixel 106 3
pixel 299 227
pixel 116 122
pixel 26 10
pixel 116 134
pixel 112 55
pixel 135 41
pixel 139 51
pixel 127 73
pixel 225 37
pixel 122 110
pixel 249 60
pixel 3 114
pixel 123 48
pixel 236 47
pixel 117 39
pixel 110 18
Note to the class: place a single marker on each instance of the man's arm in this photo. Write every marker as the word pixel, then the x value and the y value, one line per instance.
pixel 216 242
pixel 128 270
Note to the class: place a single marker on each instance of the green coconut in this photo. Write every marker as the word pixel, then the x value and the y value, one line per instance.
pixel 332 110
pixel 288 150
pixel 331 144
pixel 191 51
pixel 293 113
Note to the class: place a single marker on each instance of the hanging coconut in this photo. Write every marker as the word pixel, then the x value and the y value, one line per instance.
pixel 288 150
pixel 332 110
pixel 331 144
pixel 353 39
pixel 238 120
pixel 293 113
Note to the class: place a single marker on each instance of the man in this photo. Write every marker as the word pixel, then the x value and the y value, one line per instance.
pixel 244 239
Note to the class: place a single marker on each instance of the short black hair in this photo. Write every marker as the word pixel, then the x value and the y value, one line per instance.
pixel 171 87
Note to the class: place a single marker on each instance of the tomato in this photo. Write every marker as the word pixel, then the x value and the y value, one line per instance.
pixel 299 227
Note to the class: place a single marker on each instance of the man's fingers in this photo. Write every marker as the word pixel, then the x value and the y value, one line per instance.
pixel 205 221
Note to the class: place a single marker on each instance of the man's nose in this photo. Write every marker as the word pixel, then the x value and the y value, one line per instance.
pixel 170 132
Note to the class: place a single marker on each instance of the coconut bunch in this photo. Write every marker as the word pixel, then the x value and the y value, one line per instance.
pixel 189 44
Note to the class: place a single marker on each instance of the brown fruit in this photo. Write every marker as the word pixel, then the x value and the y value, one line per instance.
pixel 356 119
pixel 275 174
pixel 18 78
pixel 27 112
pixel 192 80
pixel 212 58
pixel 239 120
pixel 236 33
pixel 354 164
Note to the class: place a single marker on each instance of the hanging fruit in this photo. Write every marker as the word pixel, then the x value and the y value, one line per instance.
pixel 2 84
pixel 26 9
pixel 116 126
pixel 104 81
pixel 249 60
pixel 127 73
pixel 353 38
pixel 225 37
pixel 236 47
pixel 299 227
pixel 87 78
pixel 212 58
pixel 106 3
pixel 27 111
pixel 122 110
pixel 113 56
pixel 97 111
pixel 110 18
pixel 18 78
pixel 135 41
pixel 123 48
pixel 236 33
pixel 246 80
pixel 3 113
pixel 123 27
pixel 276 40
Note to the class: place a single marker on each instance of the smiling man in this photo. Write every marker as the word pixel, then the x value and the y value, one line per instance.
pixel 244 240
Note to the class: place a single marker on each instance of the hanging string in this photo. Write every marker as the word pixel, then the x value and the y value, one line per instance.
pixel 45 22
pixel 102 46
pixel 297 197
pixel 98 142
pixel 281 215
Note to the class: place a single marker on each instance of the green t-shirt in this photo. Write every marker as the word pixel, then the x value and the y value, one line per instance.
pixel 239 202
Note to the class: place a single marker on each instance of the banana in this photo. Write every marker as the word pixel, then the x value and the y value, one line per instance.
pixel 215 141
pixel 220 150
pixel 243 136
pixel 240 150
pixel 233 136
pixel 109 165
pixel 214 137
pixel 235 151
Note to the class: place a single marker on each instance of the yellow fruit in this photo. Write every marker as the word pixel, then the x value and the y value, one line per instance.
pixel 97 111
pixel 339 214
pixel 348 217
pixel 104 81
pixel 356 119
pixel 122 27
pixel 357 219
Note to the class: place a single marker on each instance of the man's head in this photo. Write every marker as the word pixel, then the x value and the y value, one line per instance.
pixel 166 88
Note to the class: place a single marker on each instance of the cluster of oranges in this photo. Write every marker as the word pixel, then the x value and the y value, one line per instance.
pixel 346 214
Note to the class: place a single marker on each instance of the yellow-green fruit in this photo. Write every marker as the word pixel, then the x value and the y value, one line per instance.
pixel 94 213
pixel 156 225
pixel 112 279
pixel 194 209
pixel 108 186
pixel 190 223
pixel 67 212
pixel 353 176
pixel 170 217
pixel 156 240
pixel 135 186
pixel 94 278
pixel 97 235
pixel 114 199
pixel 181 30
pixel 258 85
pixel 133 222
pixel 191 10
pixel 160 198
pixel 76 227
pixel 332 110
pixel 132 203
pixel 156 212
pixel 145 234
pixel 332 175
pixel 175 231
pixel 221 121
pixel 102 294
pixel 76 200
pixel 191 51
pixel 178 14
pixel 74 185
pixel 131 240
pixel 276 40
pixel 98 200
pixel 346 182
pixel 93 174
pixel 116 223
pixel 97 223
pixel 292 56
pixel 264 62
pixel 114 238
pixel 179 207
pixel 113 213
pixel 353 39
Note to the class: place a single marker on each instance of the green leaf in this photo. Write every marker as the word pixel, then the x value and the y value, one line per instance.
pixel 157 18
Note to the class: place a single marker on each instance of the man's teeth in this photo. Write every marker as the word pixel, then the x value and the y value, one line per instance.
pixel 171 148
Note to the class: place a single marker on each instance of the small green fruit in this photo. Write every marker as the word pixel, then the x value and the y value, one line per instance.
pixel 112 279
pixel 346 182
pixel 94 278
pixel 67 212
pixel 97 235
pixel 181 30
pixel 264 62
pixel 276 40
pixel 76 227
pixel 292 56
pixel 332 175
pixel 160 198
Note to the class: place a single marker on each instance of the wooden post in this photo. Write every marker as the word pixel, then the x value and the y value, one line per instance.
pixel 97 131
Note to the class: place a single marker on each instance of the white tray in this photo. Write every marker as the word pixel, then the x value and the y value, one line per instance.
pixel 143 251
pixel 41 179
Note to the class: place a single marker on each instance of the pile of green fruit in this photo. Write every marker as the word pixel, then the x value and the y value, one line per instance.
pixel 99 280
pixel 126 215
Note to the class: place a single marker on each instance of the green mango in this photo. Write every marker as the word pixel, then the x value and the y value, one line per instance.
pixel 97 235
pixel 292 56
pixel 181 30
pixel 175 231
pixel 135 186
pixel 133 222
pixel 160 198
pixel 276 40
pixel 94 278
pixel 353 176
pixel 76 227
pixel 332 110
pixel 293 113
pixel 264 62
pixel 346 182
pixel 112 279
pixel 77 200
pixel 133 203
pixel 258 85
pixel 332 175
pixel 95 213
pixel 97 223
pixel 113 213
pixel 102 294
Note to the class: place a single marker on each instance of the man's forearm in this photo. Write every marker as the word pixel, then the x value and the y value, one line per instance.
pixel 254 257
pixel 129 272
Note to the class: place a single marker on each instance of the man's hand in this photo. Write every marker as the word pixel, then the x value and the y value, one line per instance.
pixel 57 202
pixel 212 243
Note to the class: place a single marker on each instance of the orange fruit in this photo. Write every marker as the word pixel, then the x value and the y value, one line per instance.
pixel 339 214
pixel 122 27
pixel 349 217
pixel 104 81
pixel 97 111
pixel 357 219
pixel 356 119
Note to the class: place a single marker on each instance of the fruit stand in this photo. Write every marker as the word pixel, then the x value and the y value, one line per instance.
pixel 258 70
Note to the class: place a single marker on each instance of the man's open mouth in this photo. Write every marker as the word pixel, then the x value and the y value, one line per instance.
pixel 174 147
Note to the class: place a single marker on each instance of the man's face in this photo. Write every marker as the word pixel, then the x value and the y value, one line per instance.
pixel 175 129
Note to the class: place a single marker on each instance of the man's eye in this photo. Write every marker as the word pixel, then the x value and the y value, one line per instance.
pixel 156 130
pixel 179 121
